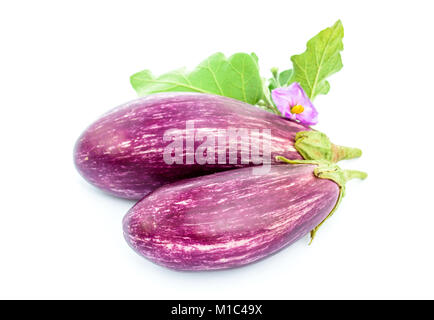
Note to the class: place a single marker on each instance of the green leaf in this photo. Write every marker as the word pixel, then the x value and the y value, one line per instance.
pixel 321 59
pixel 284 77
pixel 279 79
pixel 235 77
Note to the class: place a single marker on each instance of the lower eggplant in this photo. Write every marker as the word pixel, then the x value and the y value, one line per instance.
pixel 229 219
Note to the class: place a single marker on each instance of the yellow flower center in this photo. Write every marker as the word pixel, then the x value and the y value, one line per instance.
pixel 297 109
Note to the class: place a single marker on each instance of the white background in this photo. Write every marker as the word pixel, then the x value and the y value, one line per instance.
pixel 65 63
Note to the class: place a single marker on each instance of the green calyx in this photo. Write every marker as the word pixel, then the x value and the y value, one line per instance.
pixel 315 145
pixel 327 170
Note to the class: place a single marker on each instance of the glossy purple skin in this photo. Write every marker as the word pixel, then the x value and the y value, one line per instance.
pixel 122 152
pixel 228 219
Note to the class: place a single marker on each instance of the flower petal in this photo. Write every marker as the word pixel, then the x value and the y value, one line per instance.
pixel 309 116
pixel 288 97
pixel 298 94
pixel 283 100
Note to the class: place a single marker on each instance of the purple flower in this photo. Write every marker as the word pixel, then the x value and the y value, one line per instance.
pixel 294 104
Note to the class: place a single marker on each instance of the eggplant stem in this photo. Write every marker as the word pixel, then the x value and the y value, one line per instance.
pixel 315 145
pixel 344 153
pixel 355 174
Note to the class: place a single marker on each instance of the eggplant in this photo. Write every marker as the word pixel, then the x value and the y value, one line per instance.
pixel 122 152
pixel 233 218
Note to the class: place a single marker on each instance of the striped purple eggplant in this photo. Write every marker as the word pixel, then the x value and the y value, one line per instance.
pixel 229 219
pixel 122 152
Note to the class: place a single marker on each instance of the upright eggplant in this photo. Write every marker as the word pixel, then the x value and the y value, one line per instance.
pixel 122 152
pixel 233 218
